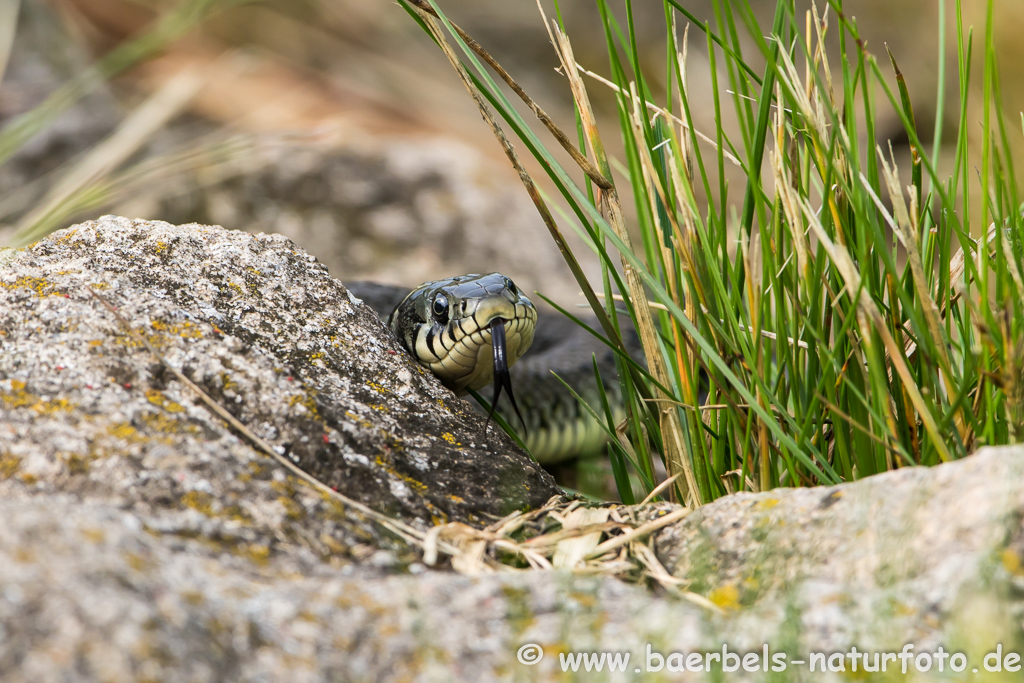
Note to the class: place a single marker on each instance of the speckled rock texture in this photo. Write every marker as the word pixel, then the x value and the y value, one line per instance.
pixel 90 593
pixel 927 555
pixel 142 540
pixel 260 326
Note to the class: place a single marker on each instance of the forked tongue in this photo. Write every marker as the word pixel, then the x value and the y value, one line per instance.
pixel 501 376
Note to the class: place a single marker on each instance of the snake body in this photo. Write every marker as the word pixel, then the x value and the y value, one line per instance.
pixel 471 330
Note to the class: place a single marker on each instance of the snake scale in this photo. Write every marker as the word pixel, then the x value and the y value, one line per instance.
pixel 473 330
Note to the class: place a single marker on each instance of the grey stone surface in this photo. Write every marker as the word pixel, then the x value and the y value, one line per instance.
pixel 90 593
pixel 143 541
pixel 260 326
pixel 935 554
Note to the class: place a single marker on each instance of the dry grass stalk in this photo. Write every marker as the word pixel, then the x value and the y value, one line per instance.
pixel 571 551
pixel 609 206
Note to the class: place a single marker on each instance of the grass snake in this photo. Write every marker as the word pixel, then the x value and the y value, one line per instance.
pixel 471 330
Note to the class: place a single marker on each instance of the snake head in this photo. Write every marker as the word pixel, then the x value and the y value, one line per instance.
pixel 451 327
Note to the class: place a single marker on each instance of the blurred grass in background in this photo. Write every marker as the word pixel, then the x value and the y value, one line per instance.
pixel 348 68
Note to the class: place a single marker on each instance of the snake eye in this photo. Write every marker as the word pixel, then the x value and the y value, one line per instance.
pixel 440 308
pixel 511 286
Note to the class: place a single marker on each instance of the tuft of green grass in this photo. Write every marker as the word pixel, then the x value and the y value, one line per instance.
pixel 847 316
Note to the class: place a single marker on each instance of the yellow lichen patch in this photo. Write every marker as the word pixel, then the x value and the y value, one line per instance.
pixel 162 424
pixel 184 329
pixel 767 503
pixel 200 501
pixel 66 237
pixel 456 499
pixel 365 424
pixel 257 552
pixel 416 485
pixel 308 401
pixel 588 600
pixel 287 487
pixel 157 398
pixel 18 397
pixel 57 405
pixel 335 340
pixel 123 430
pixel 137 562
pixel 1012 562
pixel 379 407
pixel 76 463
pixel 380 389
pixel 450 438
pixel 333 545
pixel 727 597
pixel 40 286
pixel 236 514
pixel 9 466
pixel 94 535
pixel 335 508
pixel 293 510
pixel 904 609
pixel 129 341
pixel 159 333
pixel 24 555
pixel 161 248
pixel 253 286
pixel 436 514
pixel 391 442
pixel 96 342
pixel 317 355
pixel 194 598
pixel 227 384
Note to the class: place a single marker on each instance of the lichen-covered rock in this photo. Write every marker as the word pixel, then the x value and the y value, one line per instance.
pixel 932 556
pixel 261 327
pixel 90 593
pixel 142 540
